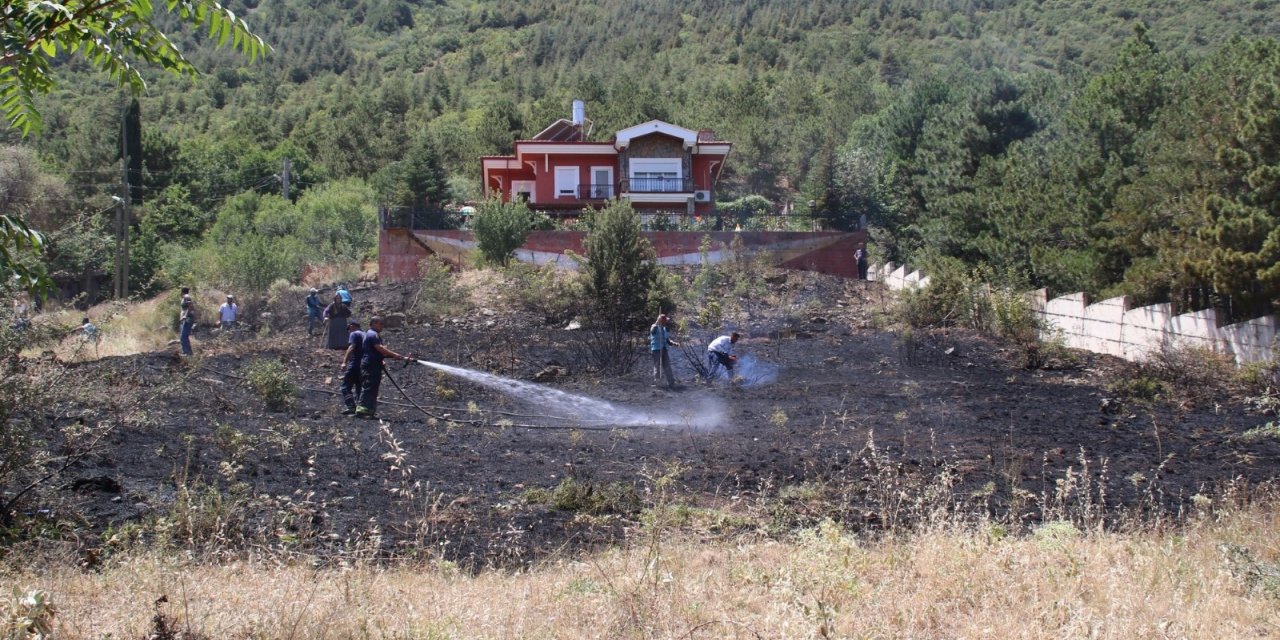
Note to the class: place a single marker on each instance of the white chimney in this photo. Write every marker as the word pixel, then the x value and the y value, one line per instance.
pixel 579 112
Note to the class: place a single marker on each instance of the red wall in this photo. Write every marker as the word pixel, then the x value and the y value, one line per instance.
pixel 822 251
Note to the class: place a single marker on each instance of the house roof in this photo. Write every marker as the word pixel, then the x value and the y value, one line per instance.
pixel 624 137
pixel 560 131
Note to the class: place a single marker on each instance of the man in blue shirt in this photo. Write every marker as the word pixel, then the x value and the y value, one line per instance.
pixel 351 367
pixel 659 338
pixel 313 313
pixel 371 368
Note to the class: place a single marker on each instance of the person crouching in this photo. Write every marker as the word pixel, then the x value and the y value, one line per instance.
pixel 720 354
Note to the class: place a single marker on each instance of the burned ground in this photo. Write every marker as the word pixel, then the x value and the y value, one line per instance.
pixel 865 426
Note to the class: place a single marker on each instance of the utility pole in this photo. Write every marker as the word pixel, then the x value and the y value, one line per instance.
pixel 284 179
pixel 122 217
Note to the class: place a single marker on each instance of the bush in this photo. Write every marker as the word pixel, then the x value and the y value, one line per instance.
pixel 272 382
pixel 438 294
pixel 500 229
pixel 620 270
pixel 587 497
pixel 545 291
pixel 974 298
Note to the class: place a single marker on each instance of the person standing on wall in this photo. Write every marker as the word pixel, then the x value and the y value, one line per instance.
pixel 720 354
pixel 186 320
pixel 314 311
pixel 351 378
pixel 860 257
pixel 659 340
pixel 371 368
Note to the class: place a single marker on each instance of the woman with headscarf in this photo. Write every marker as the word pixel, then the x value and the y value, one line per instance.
pixel 335 317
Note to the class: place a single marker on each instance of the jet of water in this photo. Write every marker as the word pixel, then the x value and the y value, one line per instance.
pixel 708 413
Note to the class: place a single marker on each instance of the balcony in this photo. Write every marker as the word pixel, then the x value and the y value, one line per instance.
pixel 657 185
pixel 596 191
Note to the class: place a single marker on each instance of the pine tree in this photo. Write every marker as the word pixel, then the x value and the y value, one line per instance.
pixel 1242 229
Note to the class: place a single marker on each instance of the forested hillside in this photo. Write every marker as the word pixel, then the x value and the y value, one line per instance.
pixel 1063 143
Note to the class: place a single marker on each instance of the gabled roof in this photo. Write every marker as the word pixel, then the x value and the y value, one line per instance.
pixel 624 137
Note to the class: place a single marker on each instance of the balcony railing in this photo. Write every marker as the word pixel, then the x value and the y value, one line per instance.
pixel 657 185
pixel 596 191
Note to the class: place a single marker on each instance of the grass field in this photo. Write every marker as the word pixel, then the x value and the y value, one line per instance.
pixel 1215 577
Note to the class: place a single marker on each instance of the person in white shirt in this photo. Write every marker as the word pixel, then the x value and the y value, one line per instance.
pixel 227 314
pixel 720 354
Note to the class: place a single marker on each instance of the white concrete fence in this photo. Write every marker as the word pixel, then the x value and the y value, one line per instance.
pixel 1117 328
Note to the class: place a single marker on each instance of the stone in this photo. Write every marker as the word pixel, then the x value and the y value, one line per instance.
pixel 393 320
pixel 550 373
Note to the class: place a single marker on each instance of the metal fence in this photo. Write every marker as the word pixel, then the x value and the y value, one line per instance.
pixel 441 218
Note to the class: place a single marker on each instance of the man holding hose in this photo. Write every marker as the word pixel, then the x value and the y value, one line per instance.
pixel 371 368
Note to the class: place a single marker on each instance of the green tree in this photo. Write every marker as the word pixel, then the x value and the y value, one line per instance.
pixel 620 271
pixel 1242 227
pixel 500 229
pixel 111 36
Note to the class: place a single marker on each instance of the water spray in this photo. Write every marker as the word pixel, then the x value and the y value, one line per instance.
pixel 706 412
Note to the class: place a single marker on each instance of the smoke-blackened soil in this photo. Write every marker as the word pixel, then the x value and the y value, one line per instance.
pixel 865 426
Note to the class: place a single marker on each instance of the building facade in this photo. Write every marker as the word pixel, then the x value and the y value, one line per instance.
pixel 657 166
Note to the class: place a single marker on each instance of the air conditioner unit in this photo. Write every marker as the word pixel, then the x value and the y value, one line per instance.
pixel 702 196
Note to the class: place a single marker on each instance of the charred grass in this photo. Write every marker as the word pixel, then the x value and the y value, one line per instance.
pixel 895 481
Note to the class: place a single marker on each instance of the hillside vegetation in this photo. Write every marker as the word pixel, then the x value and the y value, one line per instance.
pixel 1064 143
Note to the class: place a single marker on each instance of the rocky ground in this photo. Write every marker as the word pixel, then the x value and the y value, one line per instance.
pixel 867 426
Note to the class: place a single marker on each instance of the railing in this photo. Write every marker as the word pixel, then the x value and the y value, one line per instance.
pixel 419 218
pixel 596 191
pixel 657 185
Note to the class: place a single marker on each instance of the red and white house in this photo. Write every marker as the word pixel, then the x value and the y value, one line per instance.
pixel 658 166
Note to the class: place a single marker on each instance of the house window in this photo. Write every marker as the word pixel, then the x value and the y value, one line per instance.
pixel 522 190
pixel 566 182
pixel 656 175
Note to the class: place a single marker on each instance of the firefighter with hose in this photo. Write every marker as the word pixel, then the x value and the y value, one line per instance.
pixel 371 368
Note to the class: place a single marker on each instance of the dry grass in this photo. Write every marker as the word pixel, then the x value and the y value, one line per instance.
pixel 125 329
pixel 940 584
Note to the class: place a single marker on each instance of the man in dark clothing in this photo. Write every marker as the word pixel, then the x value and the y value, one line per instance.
pixel 371 368
pixel 186 321
pixel 351 367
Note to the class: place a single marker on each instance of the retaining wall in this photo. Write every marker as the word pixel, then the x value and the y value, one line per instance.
pixel 1115 327
pixel 831 252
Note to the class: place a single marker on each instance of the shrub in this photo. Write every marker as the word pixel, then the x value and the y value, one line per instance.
pixel 619 271
pixel 500 229
pixel 271 381
pixel 545 291
pixel 976 298
pixel 588 497
pixel 438 293
pixel 1195 373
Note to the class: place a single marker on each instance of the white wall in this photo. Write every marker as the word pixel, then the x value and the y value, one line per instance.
pixel 1114 327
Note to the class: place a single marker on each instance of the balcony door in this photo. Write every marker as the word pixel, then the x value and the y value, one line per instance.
pixel 602 182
